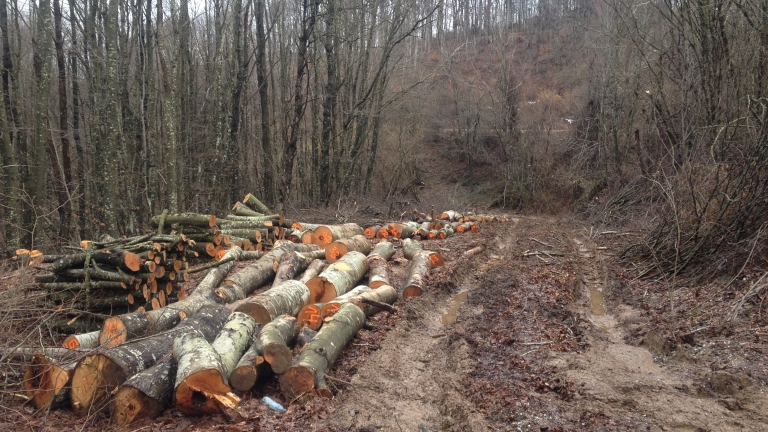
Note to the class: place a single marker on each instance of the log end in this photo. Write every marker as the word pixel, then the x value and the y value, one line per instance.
pixel 310 316
pixel 204 392
pixel 297 381
pixel 328 292
pixel 412 291
pixel 323 236
pixel 377 284
pixel 132 261
pixel 258 312
pixel 329 309
pixel 94 377
pixel 334 251
pixel 308 238
pixel 244 377
pixel 279 357
pixel 71 342
pixel 436 258
pixel 130 404
pixel 316 290
pixel 113 332
pixel 44 381
pixel 212 221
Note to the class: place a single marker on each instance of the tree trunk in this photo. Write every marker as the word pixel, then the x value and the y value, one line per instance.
pixel 338 278
pixel 370 232
pixel 287 298
pixel 327 234
pixel 82 341
pixel 144 395
pixel 193 219
pixel 383 250
pixel 119 329
pixel 115 257
pixel 315 268
pixel 339 248
pixel 320 353
pixel 241 209
pixel 328 309
pixel 249 368
pixel 256 205
pixel 421 264
pixel 385 294
pixel 98 374
pixel 411 248
pixel 291 265
pixel 275 339
pixel 47 379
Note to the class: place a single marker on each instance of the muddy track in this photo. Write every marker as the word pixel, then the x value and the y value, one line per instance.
pixel 618 379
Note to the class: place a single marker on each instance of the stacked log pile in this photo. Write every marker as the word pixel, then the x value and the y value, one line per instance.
pixel 289 313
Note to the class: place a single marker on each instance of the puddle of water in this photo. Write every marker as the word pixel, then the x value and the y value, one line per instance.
pixel 598 308
pixel 449 317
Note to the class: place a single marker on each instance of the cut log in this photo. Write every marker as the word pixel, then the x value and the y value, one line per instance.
pixel 284 299
pixel 200 386
pixel 338 278
pixel 98 274
pixel 254 223
pixel 450 215
pixel 83 341
pixel 275 338
pixel 423 231
pixel 315 268
pixel 249 368
pixel 474 251
pixel 421 264
pixel 194 219
pixel 382 233
pixel 327 234
pixel 98 374
pixel 402 231
pixel 384 250
pixel 144 395
pixel 411 248
pixel 341 247
pixel 202 379
pixel 255 204
pixel 330 308
pixel 115 257
pixel 244 282
pixel 378 269
pixel 304 226
pixel 76 286
pixel 242 209
pixel 311 316
pixel 47 380
pixel 371 231
pixel 291 264
pixel 320 353
pixel 368 300
pixel 119 329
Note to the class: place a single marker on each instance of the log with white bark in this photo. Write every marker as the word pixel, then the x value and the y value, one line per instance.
pixel 83 341
pixel 412 247
pixel 256 205
pixel 329 308
pixel 320 353
pixel 378 269
pixel 338 278
pixel 315 268
pixel 248 279
pixel 341 247
pixel 250 366
pixel 327 234
pixel 119 329
pixel 312 316
pixel 284 299
pixel 47 379
pixel 144 395
pixel 119 258
pixel 291 265
pixel 415 285
pixel 275 339
pixel 99 373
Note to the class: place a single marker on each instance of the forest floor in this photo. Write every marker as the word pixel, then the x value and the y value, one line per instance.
pixel 543 331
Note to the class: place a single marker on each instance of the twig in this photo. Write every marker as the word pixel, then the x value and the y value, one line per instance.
pixel 339 380
pixel 539 242
pixel 537 343
pixel 380 305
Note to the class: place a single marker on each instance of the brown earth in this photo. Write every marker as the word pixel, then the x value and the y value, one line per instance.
pixel 543 331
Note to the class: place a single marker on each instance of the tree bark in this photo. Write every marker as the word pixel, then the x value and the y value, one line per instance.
pixel 320 353
pixel 328 309
pixel 327 234
pixel 291 265
pixel 383 250
pixel 119 329
pixel 421 264
pixel 82 341
pixel 98 374
pixel 47 380
pixel 339 248
pixel 144 395
pixel 287 298
pixel 115 257
pixel 275 339
pixel 249 368
pixel 193 219
pixel 385 294
pixel 338 278
pixel 315 268
pixel 256 205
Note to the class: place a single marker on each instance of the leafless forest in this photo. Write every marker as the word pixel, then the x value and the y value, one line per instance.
pixel 115 110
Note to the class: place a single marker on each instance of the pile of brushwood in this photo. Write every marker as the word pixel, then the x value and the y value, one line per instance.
pixel 290 312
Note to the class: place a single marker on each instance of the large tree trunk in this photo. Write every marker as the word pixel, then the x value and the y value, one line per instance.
pixel 320 353
pixel 338 278
pixel 98 374
pixel 341 247
pixel 202 378
pixel 119 329
pixel 144 395
pixel 47 379
pixel 327 234
pixel 291 265
pixel 275 339
pixel 284 299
